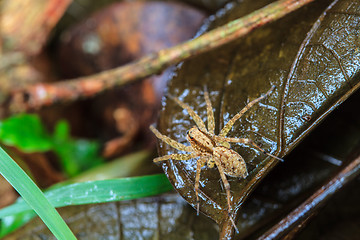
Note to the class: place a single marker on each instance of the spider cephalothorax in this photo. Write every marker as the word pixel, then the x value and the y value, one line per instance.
pixel 210 149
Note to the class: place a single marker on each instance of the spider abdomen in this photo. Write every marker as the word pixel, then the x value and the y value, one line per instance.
pixel 232 163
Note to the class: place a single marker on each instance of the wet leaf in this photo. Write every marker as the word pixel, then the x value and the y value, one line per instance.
pixel 306 169
pixel 311 57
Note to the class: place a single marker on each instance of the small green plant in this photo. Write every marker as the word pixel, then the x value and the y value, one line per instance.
pixel 27 133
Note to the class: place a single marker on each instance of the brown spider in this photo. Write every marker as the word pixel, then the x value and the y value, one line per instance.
pixel 210 148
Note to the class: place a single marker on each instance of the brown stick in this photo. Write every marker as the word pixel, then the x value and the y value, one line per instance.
pixel 301 213
pixel 39 95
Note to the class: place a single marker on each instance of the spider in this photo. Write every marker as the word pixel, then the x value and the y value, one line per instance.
pixel 210 149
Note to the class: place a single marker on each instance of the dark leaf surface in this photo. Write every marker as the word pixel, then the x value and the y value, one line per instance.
pixel 313 60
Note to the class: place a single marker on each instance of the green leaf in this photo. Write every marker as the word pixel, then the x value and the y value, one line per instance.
pixel 76 155
pixel 33 197
pixel 61 131
pixel 26 132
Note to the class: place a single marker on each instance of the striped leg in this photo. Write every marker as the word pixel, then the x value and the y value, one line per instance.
pixel 176 156
pixel 171 142
pixel 200 163
pixel 227 189
pixel 210 114
pixel 199 122
pixel 231 122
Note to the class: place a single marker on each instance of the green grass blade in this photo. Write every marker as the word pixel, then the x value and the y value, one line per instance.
pixel 33 197
pixel 99 192
pixel 119 168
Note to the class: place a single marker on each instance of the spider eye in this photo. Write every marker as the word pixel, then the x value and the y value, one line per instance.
pixel 191 137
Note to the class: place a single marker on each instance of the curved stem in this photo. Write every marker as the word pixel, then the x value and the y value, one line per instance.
pixel 39 95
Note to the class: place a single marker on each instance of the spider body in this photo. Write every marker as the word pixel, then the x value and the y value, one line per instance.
pixel 210 149
pixel 206 146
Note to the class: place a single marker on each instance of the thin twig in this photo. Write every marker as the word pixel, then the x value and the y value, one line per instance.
pixel 39 95
pixel 303 212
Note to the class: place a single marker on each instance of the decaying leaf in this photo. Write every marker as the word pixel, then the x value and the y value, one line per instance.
pixel 313 59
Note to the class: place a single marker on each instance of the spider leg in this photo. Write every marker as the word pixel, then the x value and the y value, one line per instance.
pixel 199 122
pixel 210 113
pixel 200 163
pixel 231 122
pixel 227 189
pixel 175 156
pixel 248 142
pixel 171 142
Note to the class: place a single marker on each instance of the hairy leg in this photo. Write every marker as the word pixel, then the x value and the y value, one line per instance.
pixel 199 122
pixel 210 113
pixel 175 156
pixel 227 189
pixel 200 163
pixel 171 142
pixel 231 122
